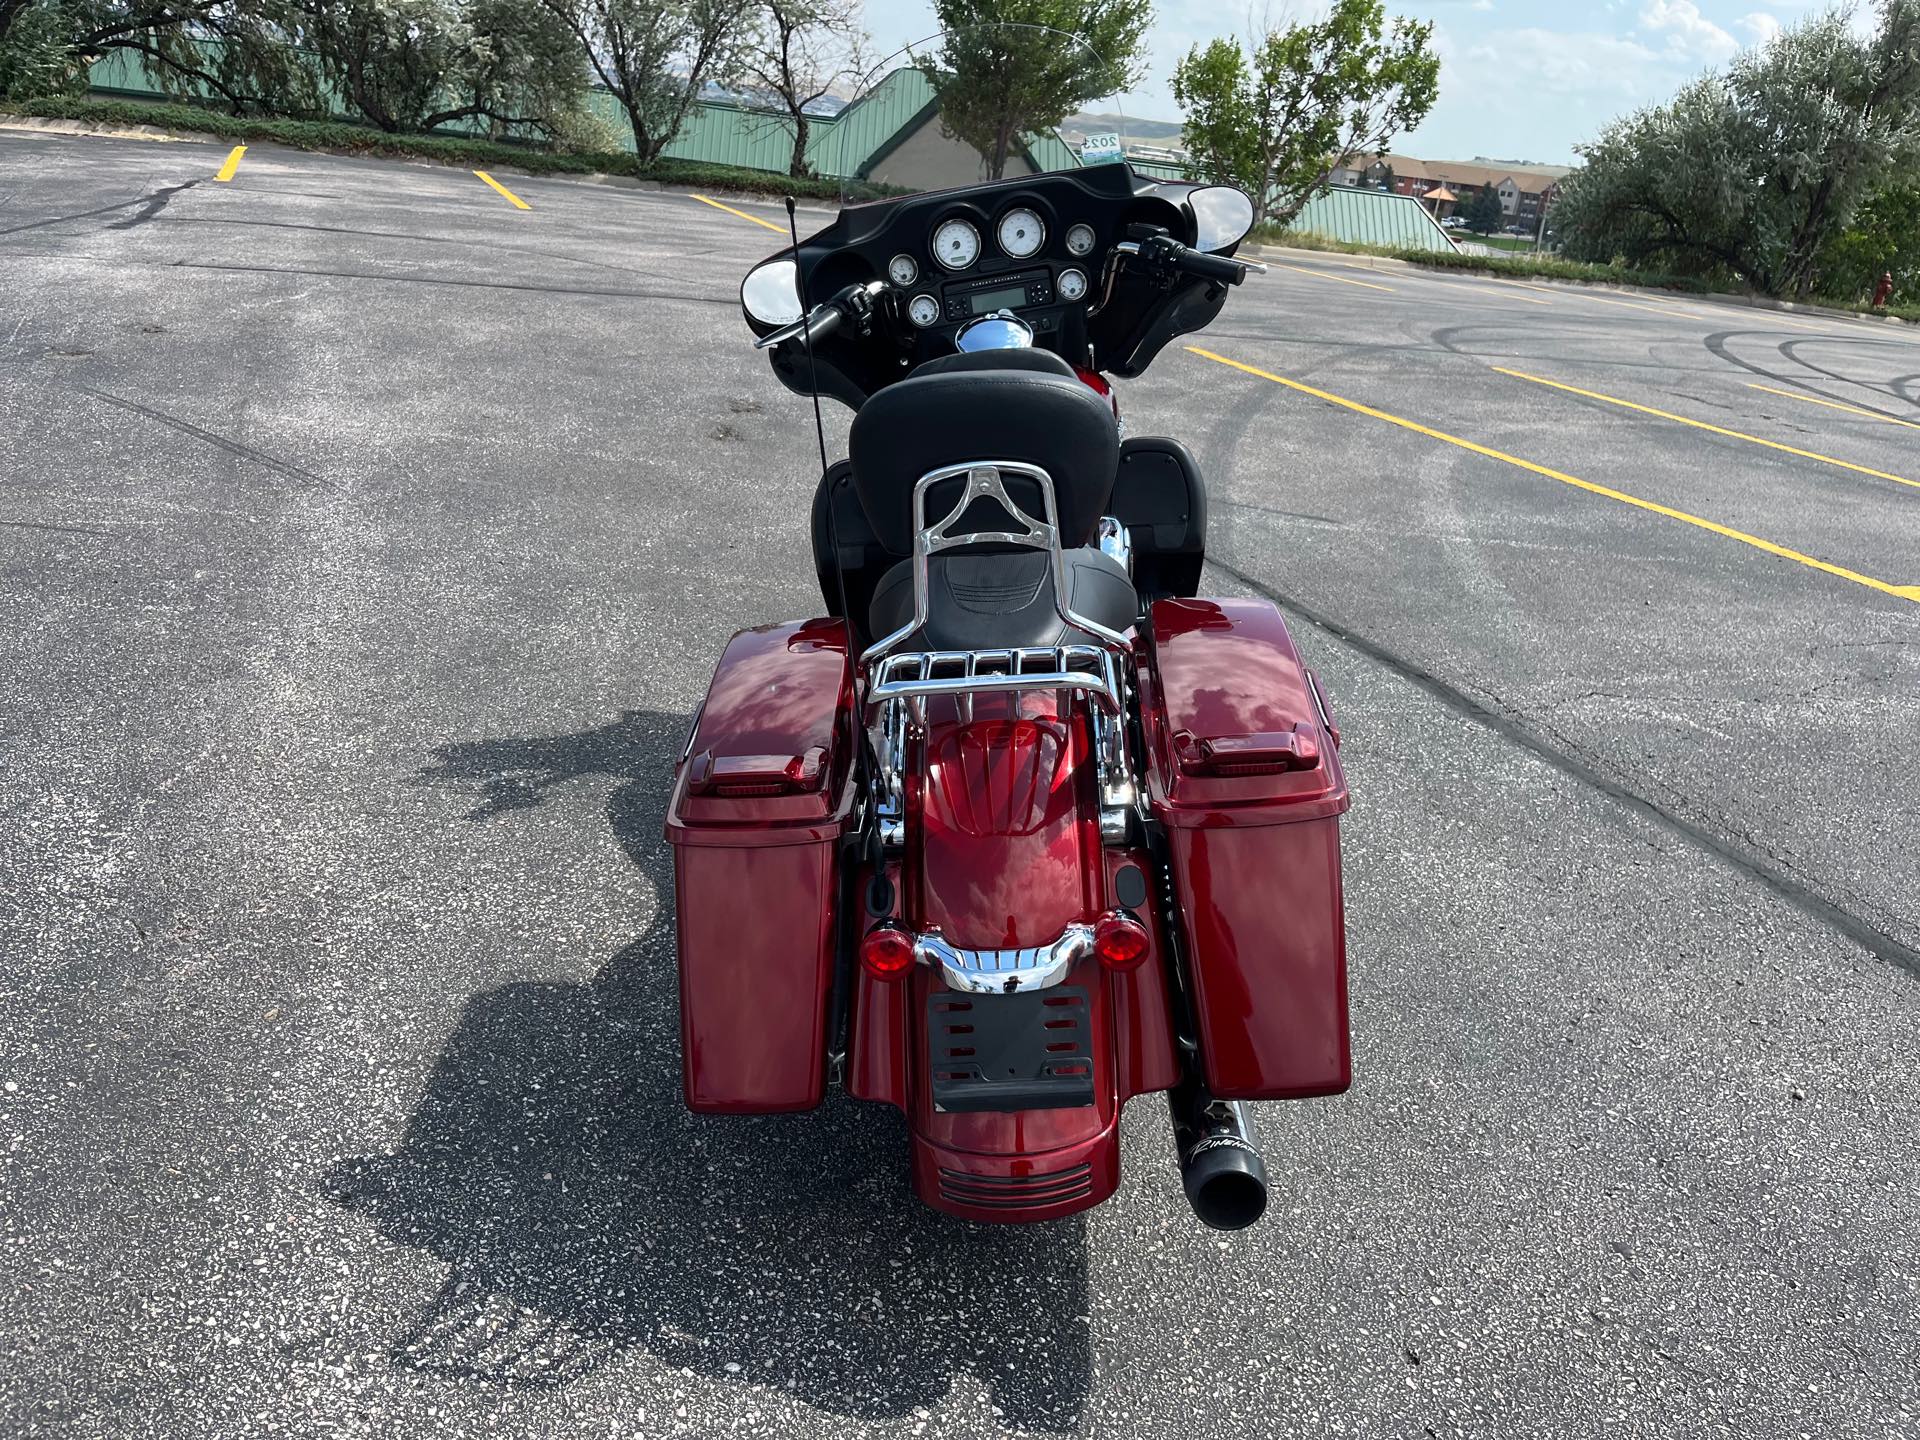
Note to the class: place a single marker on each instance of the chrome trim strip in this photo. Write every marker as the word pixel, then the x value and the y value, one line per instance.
pixel 1001 972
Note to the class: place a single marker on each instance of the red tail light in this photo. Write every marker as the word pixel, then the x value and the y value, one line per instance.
pixel 886 953
pixel 1120 941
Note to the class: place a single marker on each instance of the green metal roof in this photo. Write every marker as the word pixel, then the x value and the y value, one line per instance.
pixel 1372 217
pixel 843 146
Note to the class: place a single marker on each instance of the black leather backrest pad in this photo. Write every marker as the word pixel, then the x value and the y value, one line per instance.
pixel 933 420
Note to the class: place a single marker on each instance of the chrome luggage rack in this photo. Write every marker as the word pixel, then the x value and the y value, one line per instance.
pixel 917 676
pixel 900 685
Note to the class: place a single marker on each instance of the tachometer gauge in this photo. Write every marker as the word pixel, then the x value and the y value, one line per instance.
pixel 956 244
pixel 1022 233
pixel 902 270
pixel 923 310
pixel 1080 240
pixel 1072 285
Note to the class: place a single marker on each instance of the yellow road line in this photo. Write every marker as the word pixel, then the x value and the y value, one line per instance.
pixel 1835 405
pixel 755 219
pixel 1904 592
pixel 233 163
pixel 512 198
pixel 1711 429
pixel 1337 279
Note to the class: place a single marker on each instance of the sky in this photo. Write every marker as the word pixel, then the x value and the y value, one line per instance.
pixel 1519 79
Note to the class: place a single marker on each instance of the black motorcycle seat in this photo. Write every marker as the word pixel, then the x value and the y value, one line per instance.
pixel 1025 411
pixel 1001 599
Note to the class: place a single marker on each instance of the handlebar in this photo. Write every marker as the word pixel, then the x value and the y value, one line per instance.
pixel 1159 248
pixel 826 317
pixel 1223 268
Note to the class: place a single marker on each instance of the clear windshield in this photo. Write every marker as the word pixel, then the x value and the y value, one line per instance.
pixel 990 101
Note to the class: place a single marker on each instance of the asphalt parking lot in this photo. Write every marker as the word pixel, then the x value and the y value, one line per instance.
pixel 365 544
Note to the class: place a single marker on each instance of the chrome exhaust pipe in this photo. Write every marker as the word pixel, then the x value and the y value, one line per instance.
pixel 1220 1166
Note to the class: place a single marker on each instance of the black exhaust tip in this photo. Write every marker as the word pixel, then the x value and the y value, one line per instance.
pixel 1220 1165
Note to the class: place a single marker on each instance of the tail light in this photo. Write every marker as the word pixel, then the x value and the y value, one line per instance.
pixel 1120 941
pixel 1097 383
pixel 886 952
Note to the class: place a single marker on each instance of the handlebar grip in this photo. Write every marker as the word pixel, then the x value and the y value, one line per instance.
pixel 1211 267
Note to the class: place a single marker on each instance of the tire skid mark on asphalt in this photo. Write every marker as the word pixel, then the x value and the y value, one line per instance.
pixel 1835 405
pixel 210 437
pixel 1711 429
pixel 1901 592
pixel 1775 876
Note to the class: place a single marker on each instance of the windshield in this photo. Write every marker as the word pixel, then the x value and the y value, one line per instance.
pixel 984 102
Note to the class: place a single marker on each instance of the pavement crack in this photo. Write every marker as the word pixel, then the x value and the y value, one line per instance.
pixel 1764 867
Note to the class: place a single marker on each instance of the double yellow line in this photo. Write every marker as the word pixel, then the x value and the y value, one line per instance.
pixel 1903 592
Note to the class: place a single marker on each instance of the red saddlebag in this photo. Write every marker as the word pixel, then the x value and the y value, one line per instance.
pixel 1245 775
pixel 759 806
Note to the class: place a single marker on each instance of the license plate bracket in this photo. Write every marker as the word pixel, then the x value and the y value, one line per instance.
pixel 1000 1053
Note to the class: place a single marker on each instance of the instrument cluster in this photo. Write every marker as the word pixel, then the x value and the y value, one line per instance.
pixel 960 254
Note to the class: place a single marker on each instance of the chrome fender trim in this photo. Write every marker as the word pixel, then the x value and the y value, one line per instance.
pixel 1001 972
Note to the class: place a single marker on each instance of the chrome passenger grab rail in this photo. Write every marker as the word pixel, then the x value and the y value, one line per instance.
pixel 985 480
pixel 917 676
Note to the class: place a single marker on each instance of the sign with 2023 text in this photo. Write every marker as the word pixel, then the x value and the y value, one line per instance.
pixel 1098 149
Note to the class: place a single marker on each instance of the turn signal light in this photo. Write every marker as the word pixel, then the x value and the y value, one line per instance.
pixel 1120 941
pixel 886 953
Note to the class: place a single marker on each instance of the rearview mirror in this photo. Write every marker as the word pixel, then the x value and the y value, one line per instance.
pixel 1222 216
pixel 771 293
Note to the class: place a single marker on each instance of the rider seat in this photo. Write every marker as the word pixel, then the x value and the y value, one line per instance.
pixel 1020 406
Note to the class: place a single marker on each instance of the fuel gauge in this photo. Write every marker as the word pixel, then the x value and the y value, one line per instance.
pixel 924 310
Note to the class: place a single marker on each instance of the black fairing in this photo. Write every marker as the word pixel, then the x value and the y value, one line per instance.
pixel 931 421
pixel 1119 334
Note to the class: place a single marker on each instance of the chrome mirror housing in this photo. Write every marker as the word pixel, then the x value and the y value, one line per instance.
pixel 771 293
pixel 1222 216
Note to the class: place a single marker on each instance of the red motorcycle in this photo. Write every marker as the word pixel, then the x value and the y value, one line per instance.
pixel 1021 828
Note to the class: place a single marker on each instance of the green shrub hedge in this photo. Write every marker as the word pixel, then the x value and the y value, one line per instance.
pixel 341 136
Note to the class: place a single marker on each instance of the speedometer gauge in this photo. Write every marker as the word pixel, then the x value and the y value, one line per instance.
pixel 1022 233
pixel 923 310
pixel 956 244
pixel 902 270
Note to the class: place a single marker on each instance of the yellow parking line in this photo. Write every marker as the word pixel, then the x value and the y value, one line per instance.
pixel 1903 592
pixel 1835 405
pixel 1337 279
pixel 755 219
pixel 233 164
pixel 1712 429
pixel 512 198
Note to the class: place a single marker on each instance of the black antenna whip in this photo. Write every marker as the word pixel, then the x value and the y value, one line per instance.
pixel 806 338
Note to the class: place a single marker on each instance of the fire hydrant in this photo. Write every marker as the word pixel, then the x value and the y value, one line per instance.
pixel 1884 290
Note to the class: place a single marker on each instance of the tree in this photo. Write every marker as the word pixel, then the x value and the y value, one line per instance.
pixel 656 55
pixel 1008 68
pixel 1754 172
pixel 798 52
pixel 1485 214
pixel 1386 177
pixel 1884 238
pixel 1309 98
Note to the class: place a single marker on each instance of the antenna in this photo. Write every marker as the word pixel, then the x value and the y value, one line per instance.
pixel 813 375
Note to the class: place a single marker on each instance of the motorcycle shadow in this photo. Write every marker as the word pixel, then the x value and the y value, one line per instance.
pixel 584 1213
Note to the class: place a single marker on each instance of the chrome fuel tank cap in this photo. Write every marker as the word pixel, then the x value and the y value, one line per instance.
pixel 1002 330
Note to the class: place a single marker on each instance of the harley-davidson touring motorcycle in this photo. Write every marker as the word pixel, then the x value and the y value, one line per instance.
pixel 1021 827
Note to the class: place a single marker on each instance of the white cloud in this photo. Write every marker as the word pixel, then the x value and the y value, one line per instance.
pixel 1690 35
pixel 1760 28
